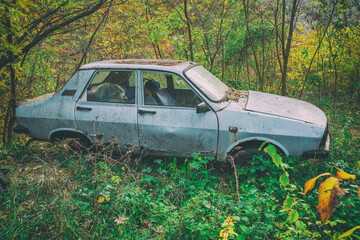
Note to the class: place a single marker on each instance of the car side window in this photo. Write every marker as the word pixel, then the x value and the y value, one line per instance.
pixel 112 86
pixel 168 90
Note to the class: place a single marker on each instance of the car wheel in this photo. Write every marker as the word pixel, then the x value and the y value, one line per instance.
pixel 75 142
pixel 243 155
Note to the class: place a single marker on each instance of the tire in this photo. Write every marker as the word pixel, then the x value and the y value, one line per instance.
pixel 75 142
pixel 243 155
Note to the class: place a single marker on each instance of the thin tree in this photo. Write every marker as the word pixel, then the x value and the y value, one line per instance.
pixel 283 37
pixel 187 22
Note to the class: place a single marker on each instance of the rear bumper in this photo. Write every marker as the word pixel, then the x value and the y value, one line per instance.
pixel 320 154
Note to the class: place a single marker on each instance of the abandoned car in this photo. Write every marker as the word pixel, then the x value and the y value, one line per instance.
pixel 172 108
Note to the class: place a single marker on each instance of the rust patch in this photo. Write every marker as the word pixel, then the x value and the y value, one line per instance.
pixel 233 129
pixel 235 94
pixel 148 62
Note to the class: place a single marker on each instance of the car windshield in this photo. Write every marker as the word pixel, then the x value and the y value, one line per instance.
pixel 210 85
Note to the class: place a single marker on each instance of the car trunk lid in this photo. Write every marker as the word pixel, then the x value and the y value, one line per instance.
pixel 42 97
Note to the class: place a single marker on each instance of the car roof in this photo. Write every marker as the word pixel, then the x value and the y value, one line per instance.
pixel 150 64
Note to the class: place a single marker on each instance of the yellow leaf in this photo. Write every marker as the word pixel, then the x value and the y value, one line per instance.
pixel 348 233
pixel 101 199
pixel 311 183
pixel 231 230
pixel 330 194
pixel 344 175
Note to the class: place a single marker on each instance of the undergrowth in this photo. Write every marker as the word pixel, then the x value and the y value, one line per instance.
pixel 57 193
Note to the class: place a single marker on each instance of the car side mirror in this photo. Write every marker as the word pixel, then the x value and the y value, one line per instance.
pixel 202 107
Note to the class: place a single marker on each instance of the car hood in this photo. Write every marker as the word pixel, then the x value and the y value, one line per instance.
pixel 285 107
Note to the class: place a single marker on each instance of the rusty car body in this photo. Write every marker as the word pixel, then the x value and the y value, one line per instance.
pixel 191 111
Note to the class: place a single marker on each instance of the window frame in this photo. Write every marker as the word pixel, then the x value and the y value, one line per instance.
pixel 142 89
pixel 83 95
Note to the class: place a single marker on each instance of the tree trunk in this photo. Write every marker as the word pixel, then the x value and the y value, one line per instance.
pixel 257 63
pixel 286 49
pixel 188 24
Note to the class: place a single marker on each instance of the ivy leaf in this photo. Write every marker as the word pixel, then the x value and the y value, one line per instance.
pixel 311 183
pixel 330 195
pixel 293 216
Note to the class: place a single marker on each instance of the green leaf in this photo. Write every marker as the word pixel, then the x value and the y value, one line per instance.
pixel 271 150
pixel 348 233
pixel 300 225
pixel 284 179
pixel 277 159
pixel 336 236
pixel 246 219
pixel 288 203
pixel 245 229
pixel 241 237
pixel 293 216
pixel 262 145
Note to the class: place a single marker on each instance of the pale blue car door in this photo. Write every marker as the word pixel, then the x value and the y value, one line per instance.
pixel 107 110
pixel 167 117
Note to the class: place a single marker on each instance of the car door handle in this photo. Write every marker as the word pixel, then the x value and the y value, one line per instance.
pixel 83 108
pixel 142 112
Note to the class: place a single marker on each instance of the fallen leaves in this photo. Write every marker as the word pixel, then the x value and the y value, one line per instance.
pixel 311 183
pixel 343 175
pixel 330 192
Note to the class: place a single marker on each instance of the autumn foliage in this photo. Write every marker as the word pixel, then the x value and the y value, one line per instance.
pixel 330 192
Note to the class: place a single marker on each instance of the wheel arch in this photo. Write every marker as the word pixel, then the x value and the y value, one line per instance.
pixel 256 141
pixel 69 133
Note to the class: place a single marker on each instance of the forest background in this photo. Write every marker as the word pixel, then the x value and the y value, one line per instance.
pixel 306 49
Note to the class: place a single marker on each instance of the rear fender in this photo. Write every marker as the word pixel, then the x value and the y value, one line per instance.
pixel 66 132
